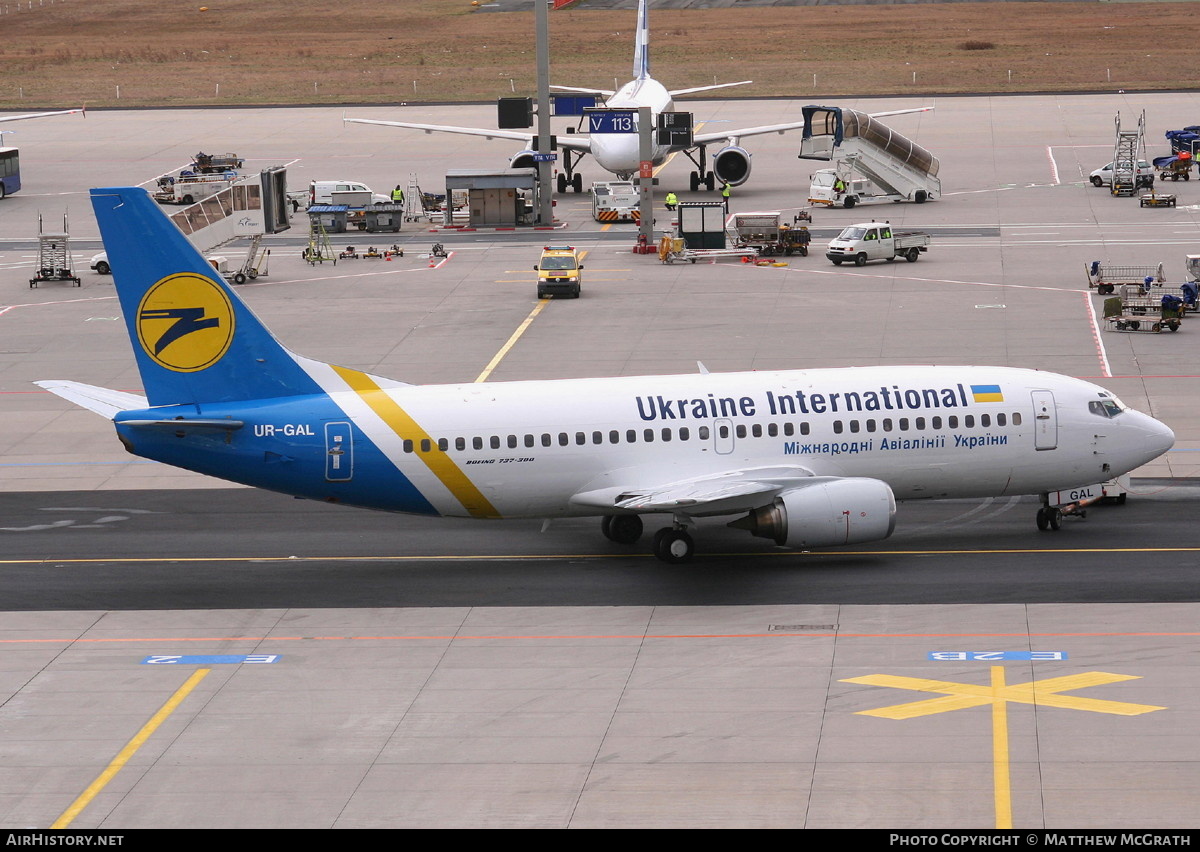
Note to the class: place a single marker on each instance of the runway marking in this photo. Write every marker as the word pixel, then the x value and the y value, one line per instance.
pixel 130 750
pixel 1041 693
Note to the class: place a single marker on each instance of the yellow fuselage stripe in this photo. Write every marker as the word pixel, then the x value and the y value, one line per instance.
pixel 438 462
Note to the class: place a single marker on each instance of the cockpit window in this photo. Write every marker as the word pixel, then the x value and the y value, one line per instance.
pixel 1105 407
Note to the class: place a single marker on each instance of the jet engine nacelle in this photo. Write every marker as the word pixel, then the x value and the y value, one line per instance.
pixel 824 514
pixel 523 160
pixel 732 164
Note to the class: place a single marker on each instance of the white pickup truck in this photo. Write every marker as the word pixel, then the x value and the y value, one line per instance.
pixel 876 241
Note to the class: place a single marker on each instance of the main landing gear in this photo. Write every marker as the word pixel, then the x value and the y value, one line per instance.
pixel 672 544
pixel 701 176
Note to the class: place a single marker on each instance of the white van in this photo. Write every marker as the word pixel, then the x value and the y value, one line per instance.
pixel 321 191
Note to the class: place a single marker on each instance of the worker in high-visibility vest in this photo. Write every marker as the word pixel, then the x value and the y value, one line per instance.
pixel 725 189
pixel 398 195
pixel 671 201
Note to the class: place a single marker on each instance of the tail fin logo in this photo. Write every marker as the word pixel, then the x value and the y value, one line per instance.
pixel 185 322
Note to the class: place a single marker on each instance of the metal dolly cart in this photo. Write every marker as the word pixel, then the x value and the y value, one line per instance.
pixel 54 257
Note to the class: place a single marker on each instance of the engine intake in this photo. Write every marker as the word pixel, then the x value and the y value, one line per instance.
pixel 523 160
pixel 825 514
pixel 732 164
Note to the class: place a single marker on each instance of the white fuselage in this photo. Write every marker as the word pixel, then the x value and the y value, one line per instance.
pixel 619 152
pixel 532 447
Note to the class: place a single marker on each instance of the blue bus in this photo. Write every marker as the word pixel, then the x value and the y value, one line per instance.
pixel 10 171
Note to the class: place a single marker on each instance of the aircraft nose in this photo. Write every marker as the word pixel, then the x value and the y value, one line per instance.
pixel 1155 436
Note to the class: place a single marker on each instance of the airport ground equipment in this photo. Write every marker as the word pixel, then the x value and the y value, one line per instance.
pixel 1106 277
pixel 1187 139
pixel 186 188
pixel 1130 147
pixel 207 164
pixel 54 257
pixel 616 201
pixel 1156 199
pixel 559 272
pixel 1144 301
pixel 1166 316
pixel 1176 166
pixel 767 233
pixel 672 249
pixel 249 208
pixel 876 241
pixel 875 163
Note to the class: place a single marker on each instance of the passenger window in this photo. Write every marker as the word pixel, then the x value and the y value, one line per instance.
pixel 804 428
pixel 425 445
pixel 597 437
pixel 985 420
pixel 969 421
pixel 903 424
pixel 477 443
pixel 756 430
pixel 494 441
pixel 512 442
pixel 741 430
pixel 563 439
pixel 666 434
pixel 952 421
pixel 546 439
pixel 1016 418
pixel 443 444
pixel 772 429
pixel 408 445
pixel 614 437
pixel 460 443
pixel 702 433
pixel 837 427
pixel 581 438
pixel 530 440
pixel 648 435
pixel 631 436
pixel 937 423
pixel 887 424
pixel 871 425
pixel 685 434
pixel 789 429
pixel 1001 419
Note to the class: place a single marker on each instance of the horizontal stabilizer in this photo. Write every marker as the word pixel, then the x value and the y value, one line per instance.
pixel 103 401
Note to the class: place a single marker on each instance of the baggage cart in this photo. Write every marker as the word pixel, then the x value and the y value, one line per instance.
pixel 1168 316
pixel 1107 277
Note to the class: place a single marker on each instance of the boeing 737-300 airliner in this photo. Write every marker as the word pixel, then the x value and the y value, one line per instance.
pixel 618 152
pixel 807 458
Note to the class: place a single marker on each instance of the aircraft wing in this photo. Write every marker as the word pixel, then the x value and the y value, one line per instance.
pixel 722 135
pixel 572 143
pixel 608 93
pixel 722 494
pixel 105 402
pixel 762 129
pixel 43 114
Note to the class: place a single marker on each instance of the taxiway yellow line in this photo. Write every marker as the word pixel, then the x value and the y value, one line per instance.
pixel 130 750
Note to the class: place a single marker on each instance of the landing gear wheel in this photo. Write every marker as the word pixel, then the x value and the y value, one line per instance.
pixel 577 182
pixel 562 183
pixel 694 181
pixel 1049 518
pixel 710 181
pixel 623 529
pixel 673 546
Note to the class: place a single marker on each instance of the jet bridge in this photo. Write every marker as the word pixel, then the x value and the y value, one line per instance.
pixel 250 208
pixel 900 168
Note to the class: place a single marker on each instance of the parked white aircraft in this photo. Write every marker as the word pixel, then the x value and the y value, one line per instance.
pixel 618 152
pixel 807 458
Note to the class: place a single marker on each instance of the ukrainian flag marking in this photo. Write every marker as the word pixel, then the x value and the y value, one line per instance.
pixel 987 393
pixel 400 422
